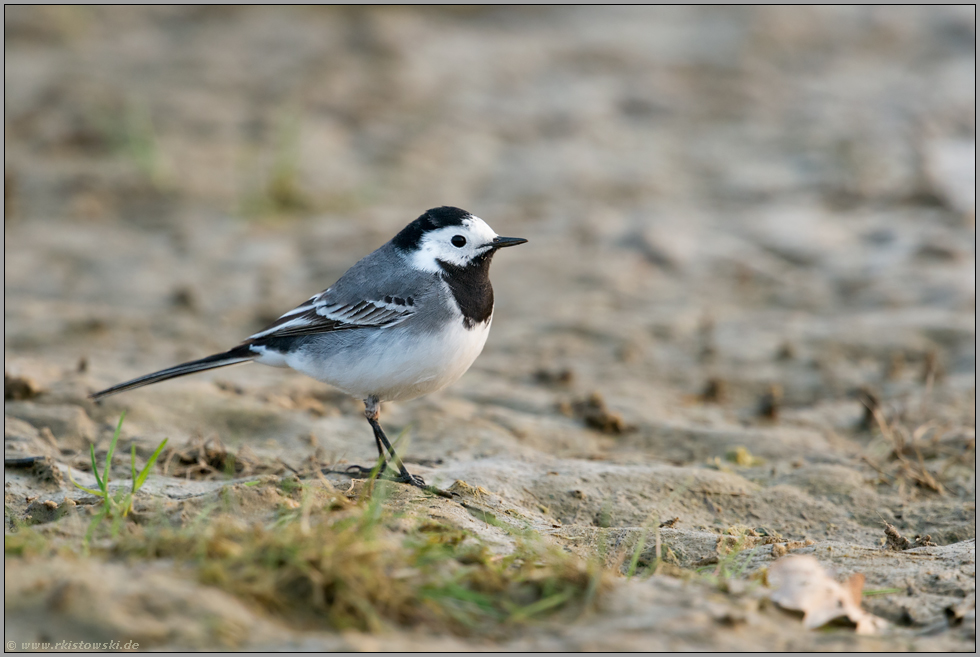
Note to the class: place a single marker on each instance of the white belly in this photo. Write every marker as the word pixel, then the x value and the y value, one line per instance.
pixel 392 365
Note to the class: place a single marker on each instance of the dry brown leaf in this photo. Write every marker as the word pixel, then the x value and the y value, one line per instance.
pixel 801 584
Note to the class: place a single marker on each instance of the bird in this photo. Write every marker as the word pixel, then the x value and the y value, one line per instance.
pixel 406 320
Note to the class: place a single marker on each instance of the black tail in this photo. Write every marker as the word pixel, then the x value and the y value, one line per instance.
pixel 240 354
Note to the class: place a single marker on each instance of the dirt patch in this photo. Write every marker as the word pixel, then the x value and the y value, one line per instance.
pixel 209 459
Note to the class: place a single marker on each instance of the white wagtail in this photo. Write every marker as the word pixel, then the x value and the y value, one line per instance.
pixel 406 320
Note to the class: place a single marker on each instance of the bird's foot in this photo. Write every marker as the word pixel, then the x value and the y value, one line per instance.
pixel 405 477
pixel 414 480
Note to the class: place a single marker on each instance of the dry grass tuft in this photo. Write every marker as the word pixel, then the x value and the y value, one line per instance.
pixel 341 564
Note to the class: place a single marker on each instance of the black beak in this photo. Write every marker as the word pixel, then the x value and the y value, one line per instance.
pixel 501 242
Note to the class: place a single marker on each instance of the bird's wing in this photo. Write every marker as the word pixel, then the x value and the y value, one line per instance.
pixel 326 312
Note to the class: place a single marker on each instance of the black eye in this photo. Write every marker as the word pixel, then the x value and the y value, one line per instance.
pixel 459 241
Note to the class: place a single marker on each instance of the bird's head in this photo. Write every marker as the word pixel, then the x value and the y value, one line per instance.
pixel 449 236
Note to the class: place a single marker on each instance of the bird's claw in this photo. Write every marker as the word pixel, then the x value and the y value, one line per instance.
pixel 364 472
pixel 413 480
pixel 404 478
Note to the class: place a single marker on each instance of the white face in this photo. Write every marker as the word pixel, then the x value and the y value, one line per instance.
pixel 477 238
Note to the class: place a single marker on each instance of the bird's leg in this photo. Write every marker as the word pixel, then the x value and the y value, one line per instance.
pixel 366 472
pixel 372 410
pixel 370 404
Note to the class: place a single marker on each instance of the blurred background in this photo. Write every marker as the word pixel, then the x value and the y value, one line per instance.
pixel 751 245
pixel 745 180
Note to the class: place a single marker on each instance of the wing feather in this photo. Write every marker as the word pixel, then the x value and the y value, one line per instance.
pixel 320 315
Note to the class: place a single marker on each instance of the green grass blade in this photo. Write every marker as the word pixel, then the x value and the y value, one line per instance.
pixel 745 562
pixel 141 479
pixel 99 517
pixel 95 467
pixel 452 594
pixel 542 605
pixel 637 551
pixel 112 449
pixel 87 490
pixel 132 464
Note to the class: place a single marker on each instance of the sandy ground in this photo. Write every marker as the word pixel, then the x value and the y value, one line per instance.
pixel 747 302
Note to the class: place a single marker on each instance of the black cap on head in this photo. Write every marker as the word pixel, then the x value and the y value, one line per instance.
pixel 411 235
